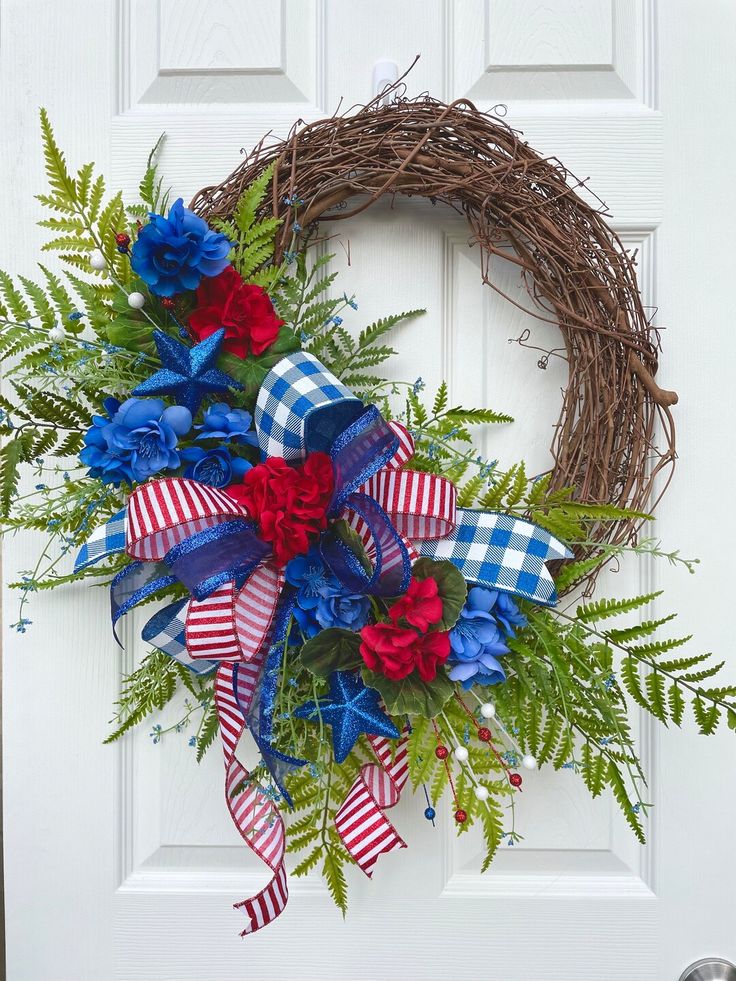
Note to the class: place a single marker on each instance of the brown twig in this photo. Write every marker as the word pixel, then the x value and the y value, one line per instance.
pixel 525 207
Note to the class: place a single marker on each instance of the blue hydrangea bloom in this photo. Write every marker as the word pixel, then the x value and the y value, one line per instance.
pixel 477 640
pixel 214 467
pixel 226 424
pixel 135 441
pixel 172 254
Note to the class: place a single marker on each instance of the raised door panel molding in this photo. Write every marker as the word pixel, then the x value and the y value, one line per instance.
pixel 185 54
pixel 542 50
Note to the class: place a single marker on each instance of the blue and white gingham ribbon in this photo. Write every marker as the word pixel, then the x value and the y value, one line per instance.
pixel 288 414
pixel 108 539
pixel 501 552
pixel 166 631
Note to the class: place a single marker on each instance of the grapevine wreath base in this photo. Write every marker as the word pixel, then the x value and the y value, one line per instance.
pixel 323 559
pixel 521 206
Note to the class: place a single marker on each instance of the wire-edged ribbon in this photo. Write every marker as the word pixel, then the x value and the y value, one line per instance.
pixel 365 830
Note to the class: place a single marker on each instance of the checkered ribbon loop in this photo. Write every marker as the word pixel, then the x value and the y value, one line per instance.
pixel 501 552
pixel 302 407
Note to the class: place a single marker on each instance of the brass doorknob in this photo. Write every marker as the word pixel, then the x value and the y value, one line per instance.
pixel 710 969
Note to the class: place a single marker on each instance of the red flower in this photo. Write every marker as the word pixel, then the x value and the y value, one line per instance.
pixel 397 651
pixel 244 310
pixel 289 504
pixel 420 606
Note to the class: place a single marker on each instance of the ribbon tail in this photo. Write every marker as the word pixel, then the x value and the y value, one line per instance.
pixel 254 814
pixel 501 552
pixel 136 582
pixel 260 715
pixel 364 829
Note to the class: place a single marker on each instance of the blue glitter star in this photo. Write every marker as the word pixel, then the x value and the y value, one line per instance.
pixel 188 373
pixel 351 710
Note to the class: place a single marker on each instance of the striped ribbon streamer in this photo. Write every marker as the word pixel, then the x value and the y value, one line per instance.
pixel 254 814
pixel 364 829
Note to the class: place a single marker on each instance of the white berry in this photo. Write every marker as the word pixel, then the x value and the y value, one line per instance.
pixel 137 301
pixel 460 753
pixel 488 710
pixel 56 333
pixel 97 260
pixel 529 763
pixel 481 792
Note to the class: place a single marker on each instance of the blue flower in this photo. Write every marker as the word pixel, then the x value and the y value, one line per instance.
pixel 321 601
pixel 173 254
pixel 214 467
pixel 136 440
pixel 347 611
pixel 507 613
pixel 477 642
pixel 313 580
pixel 223 423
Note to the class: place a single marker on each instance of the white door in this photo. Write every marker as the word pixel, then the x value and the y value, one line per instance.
pixel 121 862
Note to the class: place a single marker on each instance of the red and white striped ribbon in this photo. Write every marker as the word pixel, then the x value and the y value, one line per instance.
pixel 405 450
pixel 232 624
pixel 254 814
pixel 164 512
pixel 365 830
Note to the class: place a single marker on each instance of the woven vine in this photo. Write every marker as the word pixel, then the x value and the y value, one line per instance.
pixel 614 440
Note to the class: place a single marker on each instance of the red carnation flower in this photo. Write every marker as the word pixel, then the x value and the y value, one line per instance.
pixel 420 606
pixel 289 504
pixel 244 310
pixel 397 651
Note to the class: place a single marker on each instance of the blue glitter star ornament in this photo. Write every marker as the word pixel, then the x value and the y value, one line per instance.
pixel 188 373
pixel 351 709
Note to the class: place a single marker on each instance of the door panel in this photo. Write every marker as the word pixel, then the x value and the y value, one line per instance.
pixel 121 862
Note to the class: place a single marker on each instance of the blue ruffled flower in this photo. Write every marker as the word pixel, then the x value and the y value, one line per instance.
pixel 312 579
pixel 348 611
pixel 222 422
pixel 135 441
pixel 214 467
pixel 507 613
pixel 321 601
pixel 172 254
pixel 477 639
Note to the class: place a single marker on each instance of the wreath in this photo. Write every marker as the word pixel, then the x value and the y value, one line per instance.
pixel 327 562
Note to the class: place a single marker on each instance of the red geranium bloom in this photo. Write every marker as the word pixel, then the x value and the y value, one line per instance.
pixel 289 504
pixel 420 606
pixel 244 310
pixel 397 651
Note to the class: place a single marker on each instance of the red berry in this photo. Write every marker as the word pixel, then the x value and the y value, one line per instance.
pixel 515 779
pixel 167 303
pixel 442 752
pixel 122 239
pixel 484 734
pixel 461 816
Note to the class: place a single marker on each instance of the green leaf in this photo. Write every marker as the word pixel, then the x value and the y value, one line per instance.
pixel 251 371
pixel 676 703
pixel 603 608
pixel 707 718
pixel 335 878
pixel 208 732
pixel 411 696
pixel 331 650
pixel 451 586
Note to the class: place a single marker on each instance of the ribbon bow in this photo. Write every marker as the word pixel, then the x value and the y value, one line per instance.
pixel 176 529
